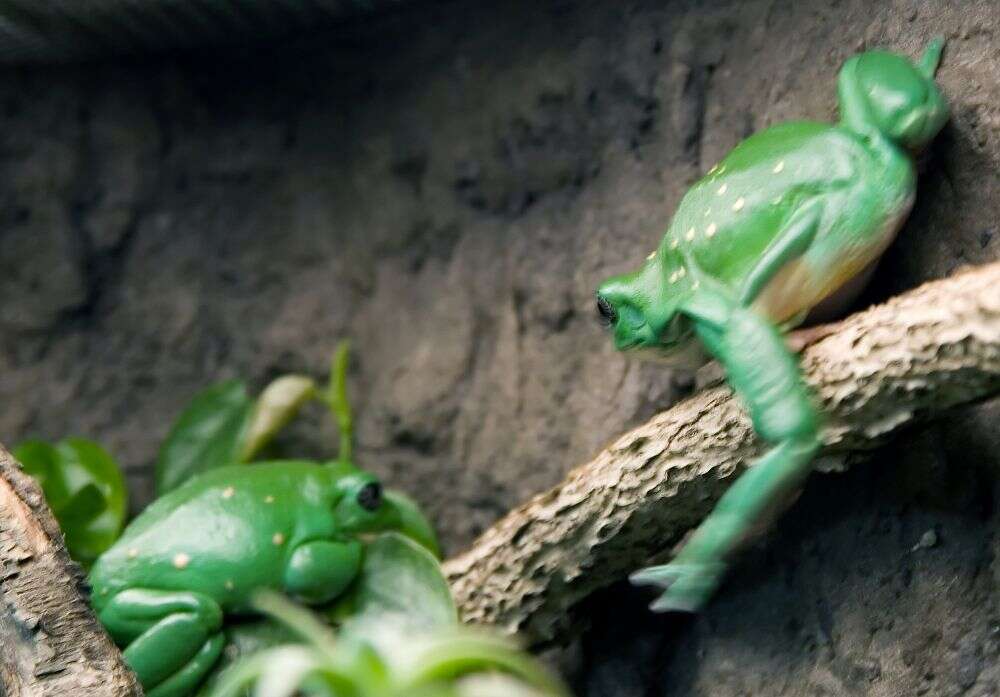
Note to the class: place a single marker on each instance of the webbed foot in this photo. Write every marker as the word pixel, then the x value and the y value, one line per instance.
pixel 687 586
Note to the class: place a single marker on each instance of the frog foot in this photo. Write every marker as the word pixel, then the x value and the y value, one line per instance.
pixel 172 639
pixel 687 586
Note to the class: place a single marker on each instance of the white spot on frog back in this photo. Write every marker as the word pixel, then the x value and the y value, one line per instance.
pixel 738 205
pixel 778 167
pixel 228 492
pixel 722 189
pixel 711 230
pixel 181 560
pixel 690 234
pixel 278 538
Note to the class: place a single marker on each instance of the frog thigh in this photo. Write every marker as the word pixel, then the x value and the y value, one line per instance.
pixel 788 247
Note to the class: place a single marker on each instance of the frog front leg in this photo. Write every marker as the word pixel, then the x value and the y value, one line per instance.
pixel 172 638
pixel 767 378
pixel 320 570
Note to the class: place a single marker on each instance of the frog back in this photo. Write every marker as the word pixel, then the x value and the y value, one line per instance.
pixel 224 533
pixel 729 218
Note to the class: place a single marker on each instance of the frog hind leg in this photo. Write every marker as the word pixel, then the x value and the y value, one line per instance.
pixel 765 375
pixel 791 242
pixel 172 639
pixel 184 681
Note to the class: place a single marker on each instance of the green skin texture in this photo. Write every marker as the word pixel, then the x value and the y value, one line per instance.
pixel 786 220
pixel 198 554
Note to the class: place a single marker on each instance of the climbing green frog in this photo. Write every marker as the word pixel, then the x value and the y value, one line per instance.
pixel 198 553
pixel 788 223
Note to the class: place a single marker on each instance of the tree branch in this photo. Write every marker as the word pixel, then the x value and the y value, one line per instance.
pixel 931 349
pixel 50 641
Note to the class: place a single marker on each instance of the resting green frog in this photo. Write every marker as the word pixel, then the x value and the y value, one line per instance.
pixel 197 555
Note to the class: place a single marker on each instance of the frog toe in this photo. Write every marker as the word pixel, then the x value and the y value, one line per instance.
pixel 687 586
pixel 184 681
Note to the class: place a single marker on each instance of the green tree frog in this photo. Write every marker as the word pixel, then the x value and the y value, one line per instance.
pixel 789 221
pixel 197 554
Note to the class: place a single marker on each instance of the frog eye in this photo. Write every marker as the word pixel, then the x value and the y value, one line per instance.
pixel 370 496
pixel 606 312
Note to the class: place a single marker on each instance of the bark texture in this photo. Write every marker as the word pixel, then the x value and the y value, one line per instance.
pixel 50 642
pixel 917 355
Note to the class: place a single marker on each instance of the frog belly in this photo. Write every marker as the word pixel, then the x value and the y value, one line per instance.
pixel 823 291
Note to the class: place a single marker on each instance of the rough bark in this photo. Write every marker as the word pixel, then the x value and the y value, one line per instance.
pixel 921 353
pixel 50 642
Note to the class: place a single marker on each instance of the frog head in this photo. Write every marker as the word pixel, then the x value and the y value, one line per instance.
pixel 893 95
pixel 641 310
pixel 364 507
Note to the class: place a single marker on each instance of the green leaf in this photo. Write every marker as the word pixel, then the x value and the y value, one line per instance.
pixel 210 433
pixel 401 584
pixel 84 488
pixel 281 669
pixel 87 463
pixel 269 652
pixel 495 684
pixel 41 460
pixel 277 405
pixel 401 592
pixel 398 635
pixel 85 504
pixel 245 639
pixel 449 656
pixel 304 623
pixel 336 400
pixel 412 521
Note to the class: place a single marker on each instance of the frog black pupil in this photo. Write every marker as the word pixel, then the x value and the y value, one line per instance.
pixel 370 496
pixel 606 312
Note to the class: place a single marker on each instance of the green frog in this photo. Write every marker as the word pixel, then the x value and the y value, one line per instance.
pixel 199 553
pixel 788 225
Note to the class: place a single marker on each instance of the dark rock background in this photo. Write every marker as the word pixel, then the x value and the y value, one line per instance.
pixel 446 187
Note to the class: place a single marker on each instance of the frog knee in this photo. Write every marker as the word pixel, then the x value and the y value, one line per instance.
pixel 135 608
pixel 208 613
pixel 789 419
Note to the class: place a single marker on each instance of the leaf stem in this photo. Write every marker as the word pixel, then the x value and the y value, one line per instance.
pixel 336 399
